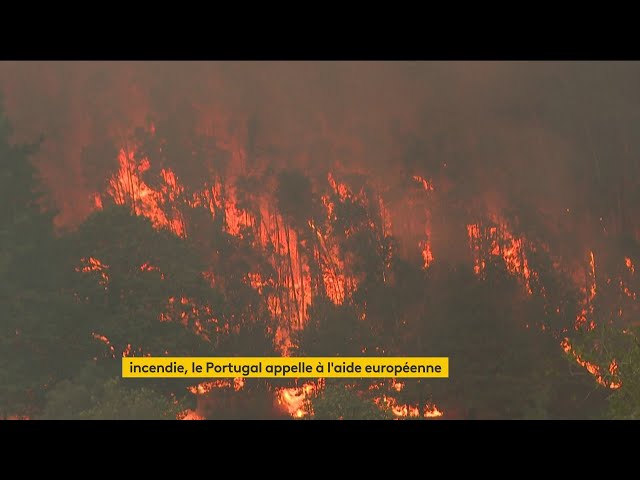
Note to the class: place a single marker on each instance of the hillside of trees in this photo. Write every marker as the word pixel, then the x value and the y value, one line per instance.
pixel 197 282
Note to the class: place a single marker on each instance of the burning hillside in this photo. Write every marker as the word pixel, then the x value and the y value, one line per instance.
pixel 295 210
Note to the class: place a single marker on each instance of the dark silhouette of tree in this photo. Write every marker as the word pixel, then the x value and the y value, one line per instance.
pixel 38 339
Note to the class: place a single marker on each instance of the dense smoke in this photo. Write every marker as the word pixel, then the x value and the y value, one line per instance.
pixel 533 131
pixel 486 211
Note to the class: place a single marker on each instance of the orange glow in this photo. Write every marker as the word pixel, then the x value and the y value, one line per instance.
pixel 295 400
pixel 289 291
pixel 126 187
pixel 428 186
pixel 407 411
pixel 592 265
pixel 627 291
pixel 590 367
pixel 189 415
pixel 340 188
pixel 97 201
pixel 629 264
pixel 203 388
pixel 432 412
pixel 92 264
pixel 161 205
pixel 589 292
pixel 106 341
pixel 427 254
pixel 499 242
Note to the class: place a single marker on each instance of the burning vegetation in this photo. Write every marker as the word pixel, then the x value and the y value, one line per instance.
pixel 201 235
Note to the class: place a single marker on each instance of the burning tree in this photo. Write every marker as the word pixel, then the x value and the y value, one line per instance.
pixel 208 237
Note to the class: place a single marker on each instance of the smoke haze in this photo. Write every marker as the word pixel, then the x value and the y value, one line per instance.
pixel 500 128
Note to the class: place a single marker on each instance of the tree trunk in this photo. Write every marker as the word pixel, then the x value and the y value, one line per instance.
pixel 301 287
pixel 293 283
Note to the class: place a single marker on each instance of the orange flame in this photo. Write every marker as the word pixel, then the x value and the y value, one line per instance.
pixel 294 400
pixel 106 341
pixel 432 412
pixel 92 264
pixel 501 243
pixel 427 254
pixel 427 185
pixel 629 264
pixel 406 410
pixel 189 415
pixel 591 368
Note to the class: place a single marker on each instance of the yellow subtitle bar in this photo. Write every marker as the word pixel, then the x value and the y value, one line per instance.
pixel 289 367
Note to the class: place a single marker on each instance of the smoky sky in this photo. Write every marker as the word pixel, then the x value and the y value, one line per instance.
pixel 523 127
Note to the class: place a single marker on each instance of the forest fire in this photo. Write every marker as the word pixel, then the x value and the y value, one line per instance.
pixel 432 412
pixel 335 209
pixel 295 400
pixel 190 415
pixel 272 231
pixel 94 265
pixel 427 254
pixel 591 368
pixel 160 205
pixel 629 264
pixel 498 241
pixel 589 291
pixel 405 411
pixel 106 341
pixel 428 186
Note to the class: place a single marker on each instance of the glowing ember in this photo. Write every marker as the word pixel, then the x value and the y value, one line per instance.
pixel 126 187
pixel 203 388
pixel 590 291
pixel 427 254
pixel 97 201
pixel 428 186
pixel 499 242
pixel 189 415
pixel 295 400
pixel 340 188
pixel 407 411
pixel 92 264
pixel 432 412
pixel 290 290
pixel 590 367
pixel 629 264
pixel 106 341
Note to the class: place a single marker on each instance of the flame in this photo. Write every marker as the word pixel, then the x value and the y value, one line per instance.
pixel 340 188
pixel 406 410
pixel 189 415
pixel 92 264
pixel 427 254
pixel 203 388
pixel 97 201
pixel 159 205
pixel 106 341
pixel 427 185
pixel 625 288
pixel 295 400
pixel 290 293
pixel 629 264
pixel 590 292
pixel 590 367
pixel 432 412
pixel 126 187
pixel 500 242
